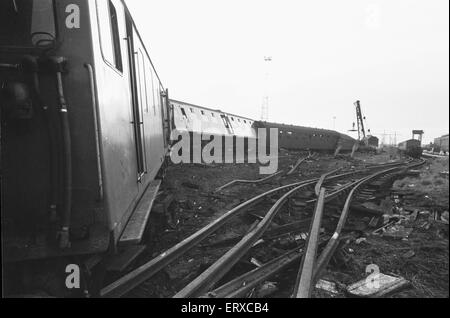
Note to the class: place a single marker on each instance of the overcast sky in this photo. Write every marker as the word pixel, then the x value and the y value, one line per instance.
pixel 391 55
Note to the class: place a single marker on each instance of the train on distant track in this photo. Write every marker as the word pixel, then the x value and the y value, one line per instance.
pixel 412 148
pixel 86 128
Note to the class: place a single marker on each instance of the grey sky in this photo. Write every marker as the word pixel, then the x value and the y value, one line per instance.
pixel 391 55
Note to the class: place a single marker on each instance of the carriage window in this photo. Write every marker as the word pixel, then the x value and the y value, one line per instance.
pixel 109 33
pixel 115 36
pixel 183 112
pixel 225 121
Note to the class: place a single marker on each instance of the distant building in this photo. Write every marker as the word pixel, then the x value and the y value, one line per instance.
pixel 441 144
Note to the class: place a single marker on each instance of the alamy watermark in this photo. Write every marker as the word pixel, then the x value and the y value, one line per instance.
pixel 207 146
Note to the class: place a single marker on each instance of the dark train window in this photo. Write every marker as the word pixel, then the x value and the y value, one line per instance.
pixel 192 110
pixel 109 33
pixel 183 112
pixel 212 114
pixel 203 113
pixel 225 122
pixel 115 36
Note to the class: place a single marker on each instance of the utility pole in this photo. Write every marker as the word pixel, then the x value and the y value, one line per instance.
pixel 266 98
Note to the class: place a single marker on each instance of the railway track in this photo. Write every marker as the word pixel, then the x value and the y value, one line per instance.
pixel 310 269
pixel 336 185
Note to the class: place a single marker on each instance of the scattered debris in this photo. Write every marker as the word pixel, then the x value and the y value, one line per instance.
pixel 255 262
pixel 327 286
pixel 409 254
pixel 377 285
pixel 361 240
pixel 374 222
pixel 422 259
pixel 397 232
pixel 266 289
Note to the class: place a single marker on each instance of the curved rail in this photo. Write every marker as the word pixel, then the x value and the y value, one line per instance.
pixel 306 274
pixel 330 248
pixel 322 179
pixel 215 272
pixel 146 271
pixel 250 181
pixel 299 162
pixel 304 280
pixel 243 284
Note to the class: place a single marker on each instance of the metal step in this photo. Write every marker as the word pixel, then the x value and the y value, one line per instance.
pixel 134 230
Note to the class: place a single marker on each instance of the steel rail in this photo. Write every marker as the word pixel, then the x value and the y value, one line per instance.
pixel 322 179
pixel 243 284
pixel 330 248
pixel 146 271
pixel 304 279
pixel 249 181
pixel 299 162
pixel 307 271
pixel 240 286
pixel 215 272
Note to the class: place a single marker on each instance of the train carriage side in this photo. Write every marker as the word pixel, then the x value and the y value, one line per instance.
pixel 297 137
pixel 131 102
pixel 412 148
pixel 118 126
pixel 39 198
pixel 208 124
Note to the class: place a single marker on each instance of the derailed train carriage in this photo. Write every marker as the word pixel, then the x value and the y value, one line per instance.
pixel 199 120
pixel 314 139
pixel 205 124
pixel 85 128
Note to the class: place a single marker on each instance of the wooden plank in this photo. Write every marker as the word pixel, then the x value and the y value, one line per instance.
pixel 120 262
pixel 136 225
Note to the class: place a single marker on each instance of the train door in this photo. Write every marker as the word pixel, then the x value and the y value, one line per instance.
pixel 136 101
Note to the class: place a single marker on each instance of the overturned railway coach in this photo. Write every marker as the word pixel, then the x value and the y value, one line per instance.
pixel 199 120
pixel 85 128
